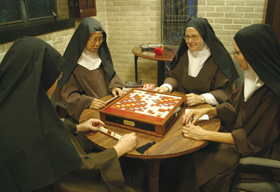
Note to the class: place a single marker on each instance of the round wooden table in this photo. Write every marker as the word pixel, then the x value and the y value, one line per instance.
pixel 172 144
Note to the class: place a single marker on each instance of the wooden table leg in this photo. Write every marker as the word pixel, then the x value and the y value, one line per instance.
pixel 135 67
pixel 153 165
pixel 160 73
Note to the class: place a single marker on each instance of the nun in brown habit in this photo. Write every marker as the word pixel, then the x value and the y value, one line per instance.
pixel 203 68
pixel 88 74
pixel 251 116
pixel 37 153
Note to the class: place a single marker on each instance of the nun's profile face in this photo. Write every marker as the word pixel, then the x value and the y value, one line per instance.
pixel 193 39
pixel 238 56
pixel 94 41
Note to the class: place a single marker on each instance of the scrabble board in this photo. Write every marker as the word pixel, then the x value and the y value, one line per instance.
pixel 144 111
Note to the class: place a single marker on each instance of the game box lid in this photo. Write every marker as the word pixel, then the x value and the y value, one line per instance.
pixel 143 110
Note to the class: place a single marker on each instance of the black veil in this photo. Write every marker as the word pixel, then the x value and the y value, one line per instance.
pixel 34 145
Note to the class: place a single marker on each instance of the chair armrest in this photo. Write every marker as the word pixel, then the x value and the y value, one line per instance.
pixel 257 161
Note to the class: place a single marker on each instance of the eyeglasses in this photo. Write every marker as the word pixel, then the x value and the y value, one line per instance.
pixel 193 37
pixel 94 40
pixel 236 53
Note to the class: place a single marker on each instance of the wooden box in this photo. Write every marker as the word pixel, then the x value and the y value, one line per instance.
pixel 144 111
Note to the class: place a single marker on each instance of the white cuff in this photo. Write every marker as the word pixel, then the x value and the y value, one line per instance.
pixel 209 98
pixel 168 86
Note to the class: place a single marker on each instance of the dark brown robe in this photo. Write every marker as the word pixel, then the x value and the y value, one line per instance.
pixel 255 133
pixel 78 94
pixel 100 172
pixel 209 80
pixel 37 152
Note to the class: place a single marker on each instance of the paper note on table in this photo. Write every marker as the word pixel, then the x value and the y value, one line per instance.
pixel 203 117
pixel 148 53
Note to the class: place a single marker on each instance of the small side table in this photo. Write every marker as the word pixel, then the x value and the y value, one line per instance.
pixel 168 55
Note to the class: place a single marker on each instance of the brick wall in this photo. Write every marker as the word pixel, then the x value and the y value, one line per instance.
pixel 130 23
pixel 229 16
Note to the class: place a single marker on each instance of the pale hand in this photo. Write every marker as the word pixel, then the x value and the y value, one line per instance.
pixel 97 104
pixel 196 113
pixel 193 99
pixel 162 89
pixel 194 132
pixel 90 125
pixel 126 143
pixel 117 91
